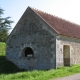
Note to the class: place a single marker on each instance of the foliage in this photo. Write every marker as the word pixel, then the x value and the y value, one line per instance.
pixel 8 71
pixel 4 22
pixel 5 25
pixel 3 35
pixel 2 49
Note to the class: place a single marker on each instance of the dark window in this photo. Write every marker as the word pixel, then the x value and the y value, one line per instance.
pixel 28 52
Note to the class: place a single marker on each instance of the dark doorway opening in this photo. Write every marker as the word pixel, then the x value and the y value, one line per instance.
pixel 66 55
pixel 28 52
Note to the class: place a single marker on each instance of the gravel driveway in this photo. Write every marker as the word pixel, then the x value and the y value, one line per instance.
pixel 72 77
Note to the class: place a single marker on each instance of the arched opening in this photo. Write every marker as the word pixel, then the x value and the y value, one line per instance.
pixel 28 52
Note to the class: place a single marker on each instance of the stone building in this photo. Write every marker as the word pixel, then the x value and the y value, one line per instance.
pixel 43 41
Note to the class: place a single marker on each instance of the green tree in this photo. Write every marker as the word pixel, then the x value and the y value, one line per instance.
pixel 5 23
pixel 5 26
pixel 3 35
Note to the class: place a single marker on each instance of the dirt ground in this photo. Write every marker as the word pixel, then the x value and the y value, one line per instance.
pixel 71 77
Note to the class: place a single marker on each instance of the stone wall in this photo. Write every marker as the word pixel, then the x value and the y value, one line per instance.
pixel 31 31
pixel 74 50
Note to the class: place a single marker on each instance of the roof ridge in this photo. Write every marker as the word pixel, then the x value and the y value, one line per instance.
pixel 67 20
pixel 60 25
pixel 41 11
pixel 55 16
pixel 43 18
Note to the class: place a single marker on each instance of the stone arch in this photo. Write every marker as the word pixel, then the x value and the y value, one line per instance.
pixel 27 52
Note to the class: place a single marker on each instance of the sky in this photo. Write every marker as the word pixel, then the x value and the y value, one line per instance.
pixel 66 9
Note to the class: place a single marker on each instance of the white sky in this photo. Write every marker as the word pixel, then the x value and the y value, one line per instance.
pixel 66 9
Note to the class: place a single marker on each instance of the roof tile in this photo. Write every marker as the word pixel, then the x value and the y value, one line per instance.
pixel 61 26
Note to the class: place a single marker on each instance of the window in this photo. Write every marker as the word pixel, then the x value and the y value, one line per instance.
pixel 27 52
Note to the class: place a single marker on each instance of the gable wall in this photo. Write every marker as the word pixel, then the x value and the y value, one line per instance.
pixel 32 32
pixel 74 50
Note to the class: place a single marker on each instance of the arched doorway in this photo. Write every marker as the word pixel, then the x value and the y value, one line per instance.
pixel 28 52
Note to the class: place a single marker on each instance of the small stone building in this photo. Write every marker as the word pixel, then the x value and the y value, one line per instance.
pixel 43 41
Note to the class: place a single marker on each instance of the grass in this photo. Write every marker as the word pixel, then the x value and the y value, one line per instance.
pixel 2 48
pixel 8 71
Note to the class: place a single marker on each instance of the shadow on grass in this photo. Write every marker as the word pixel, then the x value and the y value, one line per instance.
pixel 7 67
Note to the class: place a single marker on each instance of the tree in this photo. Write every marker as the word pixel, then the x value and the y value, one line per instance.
pixel 4 22
pixel 5 25
pixel 3 35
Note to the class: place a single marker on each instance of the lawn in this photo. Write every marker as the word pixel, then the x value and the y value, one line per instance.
pixel 8 71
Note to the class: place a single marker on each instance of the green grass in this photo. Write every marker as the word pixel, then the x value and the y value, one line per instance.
pixel 2 49
pixel 8 71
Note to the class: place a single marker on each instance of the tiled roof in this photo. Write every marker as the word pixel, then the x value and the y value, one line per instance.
pixel 61 26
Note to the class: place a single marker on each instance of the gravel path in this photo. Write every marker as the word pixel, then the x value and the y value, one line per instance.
pixel 72 77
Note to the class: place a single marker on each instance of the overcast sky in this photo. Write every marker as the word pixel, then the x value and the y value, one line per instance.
pixel 66 9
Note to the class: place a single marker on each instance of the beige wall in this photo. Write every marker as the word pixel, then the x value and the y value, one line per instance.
pixel 74 50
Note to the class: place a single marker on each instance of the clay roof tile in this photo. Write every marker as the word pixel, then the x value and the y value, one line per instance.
pixel 60 25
